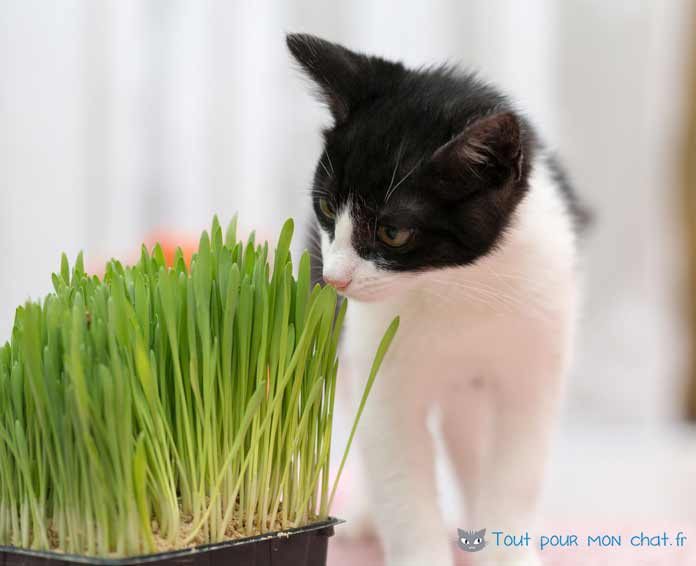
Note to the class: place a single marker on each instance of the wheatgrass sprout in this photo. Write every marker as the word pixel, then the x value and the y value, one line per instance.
pixel 159 408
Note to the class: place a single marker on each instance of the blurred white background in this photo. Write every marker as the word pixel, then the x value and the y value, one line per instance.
pixel 121 118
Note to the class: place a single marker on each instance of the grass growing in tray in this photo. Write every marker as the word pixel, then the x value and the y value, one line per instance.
pixel 163 407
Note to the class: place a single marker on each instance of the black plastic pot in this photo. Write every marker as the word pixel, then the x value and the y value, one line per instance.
pixel 304 546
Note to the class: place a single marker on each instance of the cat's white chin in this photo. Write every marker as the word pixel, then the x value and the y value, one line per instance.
pixel 364 295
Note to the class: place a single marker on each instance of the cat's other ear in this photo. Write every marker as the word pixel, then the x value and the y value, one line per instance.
pixel 486 154
pixel 344 78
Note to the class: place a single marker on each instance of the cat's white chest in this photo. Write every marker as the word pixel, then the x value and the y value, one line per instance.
pixel 436 340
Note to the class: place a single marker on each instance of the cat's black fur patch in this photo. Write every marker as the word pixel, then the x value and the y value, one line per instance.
pixel 314 248
pixel 432 150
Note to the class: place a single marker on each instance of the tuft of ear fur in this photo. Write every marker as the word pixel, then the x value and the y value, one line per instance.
pixel 489 150
pixel 345 78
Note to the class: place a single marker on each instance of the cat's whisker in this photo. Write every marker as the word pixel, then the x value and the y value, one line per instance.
pixel 370 288
pixel 328 157
pixel 493 294
pixel 320 192
pixel 498 298
pixel 511 304
pixel 396 166
pixel 532 284
pixel 314 236
pixel 403 179
pixel 449 299
pixel 315 256
pixel 311 238
pixel 494 303
pixel 328 173
pixel 512 294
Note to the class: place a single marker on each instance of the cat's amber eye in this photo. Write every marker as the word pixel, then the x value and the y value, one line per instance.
pixel 394 237
pixel 326 208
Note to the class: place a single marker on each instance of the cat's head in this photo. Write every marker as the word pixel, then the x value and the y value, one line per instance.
pixel 421 169
pixel 471 541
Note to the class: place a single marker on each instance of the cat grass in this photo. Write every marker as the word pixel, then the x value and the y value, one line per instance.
pixel 162 407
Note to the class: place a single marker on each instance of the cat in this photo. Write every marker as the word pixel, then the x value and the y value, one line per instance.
pixel 471 541
pixel 437 201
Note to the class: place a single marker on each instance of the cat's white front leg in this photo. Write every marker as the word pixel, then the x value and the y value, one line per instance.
pixel 398 455
pixel 526 389
pixel 512 480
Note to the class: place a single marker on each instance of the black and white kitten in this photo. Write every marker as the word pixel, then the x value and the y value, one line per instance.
pixel 435 200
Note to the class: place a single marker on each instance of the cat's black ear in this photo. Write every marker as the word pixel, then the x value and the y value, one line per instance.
pixel 487 154
pixel 345 78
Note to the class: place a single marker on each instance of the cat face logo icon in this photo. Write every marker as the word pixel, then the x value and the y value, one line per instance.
pixel 471 541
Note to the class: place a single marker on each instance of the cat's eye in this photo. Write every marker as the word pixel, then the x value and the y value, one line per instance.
pixel 477 540
pixel 394 237
pixel 465 541
pixel 326 209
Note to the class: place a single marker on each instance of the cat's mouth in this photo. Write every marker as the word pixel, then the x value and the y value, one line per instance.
pixel 357 292
pixel 376 289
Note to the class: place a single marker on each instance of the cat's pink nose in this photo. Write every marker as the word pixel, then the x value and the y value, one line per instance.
pixel 338 283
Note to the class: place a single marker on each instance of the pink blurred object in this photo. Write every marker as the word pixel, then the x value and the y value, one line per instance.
pixel 171 239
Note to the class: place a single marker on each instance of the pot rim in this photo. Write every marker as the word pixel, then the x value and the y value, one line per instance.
pixel 145 558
